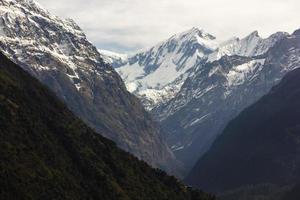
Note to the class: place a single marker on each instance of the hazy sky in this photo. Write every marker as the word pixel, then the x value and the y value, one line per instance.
pixel 128 25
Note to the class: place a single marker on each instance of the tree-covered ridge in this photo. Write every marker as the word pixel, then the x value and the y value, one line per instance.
pixel 260 146
pixel 48 153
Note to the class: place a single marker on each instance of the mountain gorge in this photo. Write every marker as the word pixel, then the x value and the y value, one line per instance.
pixel 58 53
pixel 78 122
pixel 48 153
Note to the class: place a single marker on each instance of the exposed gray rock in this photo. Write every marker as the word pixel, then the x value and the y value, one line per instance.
pixel 218 92
pixel 58 53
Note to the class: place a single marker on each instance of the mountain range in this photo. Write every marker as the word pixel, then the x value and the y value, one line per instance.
pixel 156 74
pixel 224 113
pixel 213 88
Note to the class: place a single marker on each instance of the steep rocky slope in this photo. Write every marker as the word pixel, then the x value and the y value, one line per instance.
pixel 58 53
pixel 48 153
pixel 218 92
pixel 261 145
pixel 156 74
pixel 212 82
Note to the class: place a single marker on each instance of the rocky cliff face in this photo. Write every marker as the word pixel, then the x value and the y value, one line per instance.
pixel 215 82
pixel 261 145
pixel 156 74
pixel 58 53
pixel 219 91
pixel 251 45
pixel 205 103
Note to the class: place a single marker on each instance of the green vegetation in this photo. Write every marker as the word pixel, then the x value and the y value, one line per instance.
pixel 48 153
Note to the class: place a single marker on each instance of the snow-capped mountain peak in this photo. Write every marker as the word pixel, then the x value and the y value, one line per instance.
pixel 27 5
pixel 158 72
pixel 221 89
pixel 251 45
pixel 199 35
pixel 200 32
pixel 254 34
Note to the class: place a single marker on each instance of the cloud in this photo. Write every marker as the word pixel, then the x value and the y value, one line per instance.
pixel 126 25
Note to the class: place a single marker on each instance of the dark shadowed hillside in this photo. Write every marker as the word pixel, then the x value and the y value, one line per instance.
pixel 294 194
pixel 261 145
pixel 58 53
pixel 48 153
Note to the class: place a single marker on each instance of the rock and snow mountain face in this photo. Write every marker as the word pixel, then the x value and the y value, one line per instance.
pixel 252 45
pixel 205 103
pixel 194 85
pixel 218 92
pixel 261 145
pixel 157 74
pixel 58 53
